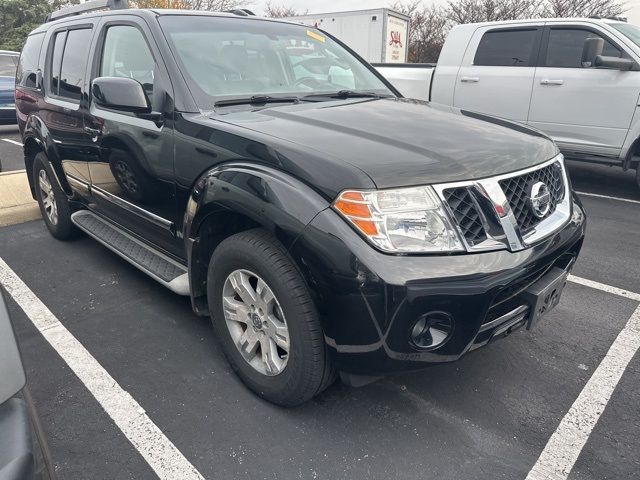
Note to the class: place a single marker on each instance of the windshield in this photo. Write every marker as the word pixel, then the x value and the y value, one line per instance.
pixel 227 57
pixel 632 32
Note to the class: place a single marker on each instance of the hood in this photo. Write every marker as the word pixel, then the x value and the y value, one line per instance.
pixel 401 142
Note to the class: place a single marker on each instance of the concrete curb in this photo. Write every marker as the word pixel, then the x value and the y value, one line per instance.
pixel 16 203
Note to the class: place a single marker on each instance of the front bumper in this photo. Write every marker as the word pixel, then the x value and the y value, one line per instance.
pixel 369 301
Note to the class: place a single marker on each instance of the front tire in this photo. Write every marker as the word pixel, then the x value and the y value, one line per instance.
pixel 265 319
pixel 638 175
pixel 53 202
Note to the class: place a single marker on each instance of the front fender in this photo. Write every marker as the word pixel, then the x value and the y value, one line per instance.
pixel 233 197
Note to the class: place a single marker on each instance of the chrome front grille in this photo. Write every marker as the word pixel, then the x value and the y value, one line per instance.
pixel 497 212
pixel 517 189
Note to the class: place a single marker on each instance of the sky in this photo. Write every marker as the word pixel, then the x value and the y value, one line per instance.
pixel 322 6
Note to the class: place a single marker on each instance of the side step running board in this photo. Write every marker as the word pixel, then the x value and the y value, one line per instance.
pixel 158 266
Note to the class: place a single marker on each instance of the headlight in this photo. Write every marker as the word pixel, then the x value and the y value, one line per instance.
pixel 403 220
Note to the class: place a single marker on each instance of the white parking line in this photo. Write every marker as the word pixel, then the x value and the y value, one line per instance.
pixel 628 200
pixel 161 455
pixel 12 141
pixel 563 448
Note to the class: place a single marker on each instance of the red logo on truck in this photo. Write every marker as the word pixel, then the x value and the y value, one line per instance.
pixel 396 41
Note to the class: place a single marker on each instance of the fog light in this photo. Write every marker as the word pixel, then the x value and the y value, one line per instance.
pixel 431 330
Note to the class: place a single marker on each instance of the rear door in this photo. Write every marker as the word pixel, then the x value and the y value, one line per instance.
pixel 496 76
pixel 583 108
pixel 64 86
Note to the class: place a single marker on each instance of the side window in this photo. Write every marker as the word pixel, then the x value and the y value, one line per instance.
pixel 565 47
pixel 506 48
pixel 7 66
pixel 28 64
pixel 56 61
pixel 74 63
pixel 126 54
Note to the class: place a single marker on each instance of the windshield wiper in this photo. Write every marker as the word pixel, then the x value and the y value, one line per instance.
pixel 347 94
pixel 256 100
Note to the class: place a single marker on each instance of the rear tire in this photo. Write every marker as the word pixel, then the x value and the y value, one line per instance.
pixel 245 266
pixel 638 175
pixel 53 202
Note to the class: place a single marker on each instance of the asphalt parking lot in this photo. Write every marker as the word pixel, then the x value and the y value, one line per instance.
pixel 488 416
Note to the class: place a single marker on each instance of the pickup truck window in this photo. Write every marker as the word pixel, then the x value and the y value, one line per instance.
pixel 126 54
pixel 632 32
pixel 565 47
pixel 506 48
pixel 249 57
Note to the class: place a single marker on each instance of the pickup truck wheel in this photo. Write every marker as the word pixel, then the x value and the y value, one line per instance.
pixel 53 202
pixel 265 319
pixel 638 175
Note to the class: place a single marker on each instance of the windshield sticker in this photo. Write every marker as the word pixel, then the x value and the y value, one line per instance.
pixel 315 36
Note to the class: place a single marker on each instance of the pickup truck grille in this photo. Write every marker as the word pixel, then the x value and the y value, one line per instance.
pixel 516 189
pixel 498 212
pixel 466 214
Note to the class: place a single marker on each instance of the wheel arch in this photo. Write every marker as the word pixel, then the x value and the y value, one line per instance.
pixel 234 198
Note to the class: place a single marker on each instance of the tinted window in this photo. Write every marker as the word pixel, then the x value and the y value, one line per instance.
pixel 565 48
pixel 58 47
pixel 74 62
pixel 126 54
pixel 8 65
pixel 512 48
pixel 28 65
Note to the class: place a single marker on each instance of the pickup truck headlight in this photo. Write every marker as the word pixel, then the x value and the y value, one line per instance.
pixel 405 220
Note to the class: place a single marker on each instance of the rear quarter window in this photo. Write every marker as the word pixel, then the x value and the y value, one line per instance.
pixel 506 48
pixel 28 63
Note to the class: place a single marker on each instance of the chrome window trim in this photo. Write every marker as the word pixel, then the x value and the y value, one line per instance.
pixel 503 232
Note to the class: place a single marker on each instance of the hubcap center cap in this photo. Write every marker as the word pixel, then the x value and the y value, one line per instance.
pixel 257 321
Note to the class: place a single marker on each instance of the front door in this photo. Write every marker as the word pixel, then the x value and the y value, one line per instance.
pixel 131 161
pixel 497 72
pixel 583 108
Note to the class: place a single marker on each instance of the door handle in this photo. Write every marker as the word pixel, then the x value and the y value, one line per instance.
pixel 469 79
pixel 94 132
pixel 551 82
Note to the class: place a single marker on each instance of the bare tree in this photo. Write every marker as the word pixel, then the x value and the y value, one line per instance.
pixel 280 11
pixel 472 11
pixel 213 5
pixel 582 8
pixel 428 29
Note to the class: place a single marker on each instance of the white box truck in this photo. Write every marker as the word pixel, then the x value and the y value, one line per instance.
pixel 378 35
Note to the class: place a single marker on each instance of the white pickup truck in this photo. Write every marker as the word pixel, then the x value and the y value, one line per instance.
pixel 577 80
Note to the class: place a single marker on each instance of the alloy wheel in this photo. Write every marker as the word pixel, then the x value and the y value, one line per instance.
pixel 48 199
pixel 256 322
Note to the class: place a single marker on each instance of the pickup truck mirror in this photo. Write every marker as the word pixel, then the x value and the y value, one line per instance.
pixel 591 48
pixel 614 63
pixel 120 93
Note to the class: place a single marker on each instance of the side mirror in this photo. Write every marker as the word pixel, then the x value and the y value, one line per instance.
pixel 592 48
pixel 616 63
pixel 120 93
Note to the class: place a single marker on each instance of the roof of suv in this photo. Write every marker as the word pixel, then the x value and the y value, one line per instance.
pixel 152 13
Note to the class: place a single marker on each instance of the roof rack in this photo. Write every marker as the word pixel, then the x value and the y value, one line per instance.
pixel 86 7
pixel 242 12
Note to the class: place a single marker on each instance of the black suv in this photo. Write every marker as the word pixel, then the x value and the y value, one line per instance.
pixel 326 224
